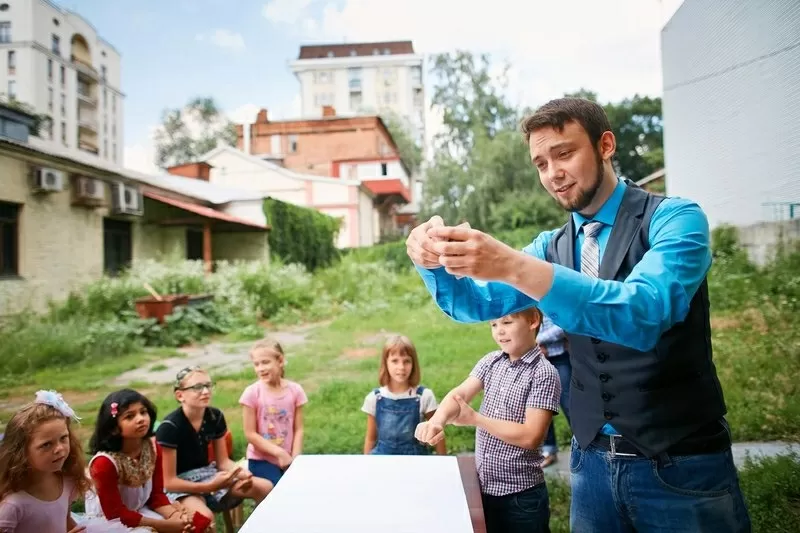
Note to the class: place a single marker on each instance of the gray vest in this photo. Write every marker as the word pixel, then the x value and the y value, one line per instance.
pixel 656 398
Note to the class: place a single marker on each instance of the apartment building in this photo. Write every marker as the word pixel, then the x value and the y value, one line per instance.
pixel 55 61
pixel 363 78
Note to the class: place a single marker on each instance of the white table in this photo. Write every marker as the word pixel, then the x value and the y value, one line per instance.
pixel 365 494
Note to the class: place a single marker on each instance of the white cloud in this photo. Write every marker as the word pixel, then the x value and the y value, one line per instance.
pixel 141 157
pixel 225 39
pixel 286 11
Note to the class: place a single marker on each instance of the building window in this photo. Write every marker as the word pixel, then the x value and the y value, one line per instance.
pixel 63 105
pixel 114 129
pixel 4 7
pixel 105 148
pixel 354 78
pixel 12 62
pixel 275 144
pixel 9 239
pixel 292 144
pixel 416 75
pixel 384 169
pixel 387 52
pixel 105 99
pixel 376 52
pixel 330 53
pixel 49 129
pixel 103 72
pixel 63 76
pixel 323 77
pixel 49 70
pixel 64 132
pixel 5 32
pixel 353 53
pixel 114 152
pixel 12 89
pixel 56 45
pixel 117 246
pixel 114 103
pixel 355 102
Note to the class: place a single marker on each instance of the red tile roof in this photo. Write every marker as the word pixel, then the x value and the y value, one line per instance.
pixel 318 51
pixel 203 211
pixel 387 187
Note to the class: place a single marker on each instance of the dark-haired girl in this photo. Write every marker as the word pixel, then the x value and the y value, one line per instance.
pixel 127 473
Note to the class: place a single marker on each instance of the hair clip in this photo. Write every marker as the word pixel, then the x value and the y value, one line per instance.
pixel 114 409
pixel 56 401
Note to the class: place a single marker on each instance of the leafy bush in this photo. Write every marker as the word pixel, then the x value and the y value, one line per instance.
pixel 771 488
pixel 301 235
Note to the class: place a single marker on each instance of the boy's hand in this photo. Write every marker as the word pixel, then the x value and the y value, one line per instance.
pixel 466 414
pixel 429 432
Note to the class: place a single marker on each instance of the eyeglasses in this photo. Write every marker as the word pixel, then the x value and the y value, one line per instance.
pixel 198 387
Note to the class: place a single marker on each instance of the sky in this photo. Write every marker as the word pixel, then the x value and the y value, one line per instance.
pixel 174 50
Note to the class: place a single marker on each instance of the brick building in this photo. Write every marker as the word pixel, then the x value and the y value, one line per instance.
pixel 353 148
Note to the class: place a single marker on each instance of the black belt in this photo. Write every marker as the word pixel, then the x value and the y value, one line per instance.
pixel 713 439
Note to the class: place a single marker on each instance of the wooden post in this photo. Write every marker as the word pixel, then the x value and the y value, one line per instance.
pixel 207 247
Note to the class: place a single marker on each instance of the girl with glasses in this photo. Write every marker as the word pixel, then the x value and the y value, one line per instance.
pixel 201 483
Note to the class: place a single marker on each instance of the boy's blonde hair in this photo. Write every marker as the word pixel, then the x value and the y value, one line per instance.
pixel 403 345
pixel 531 314
pixel 273 347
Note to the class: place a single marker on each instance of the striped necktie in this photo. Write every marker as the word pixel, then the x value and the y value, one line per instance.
pixel 590 251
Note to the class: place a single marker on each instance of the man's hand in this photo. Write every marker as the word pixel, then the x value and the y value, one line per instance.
pixel 466 414
pixel 429 432
pixel 468 252
pixel 419 245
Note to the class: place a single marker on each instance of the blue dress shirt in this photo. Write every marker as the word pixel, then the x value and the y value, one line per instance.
pixel 633 313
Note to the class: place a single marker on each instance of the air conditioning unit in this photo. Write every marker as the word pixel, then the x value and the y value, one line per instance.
pixel 126 200
pixel 47 179
pixel 89 191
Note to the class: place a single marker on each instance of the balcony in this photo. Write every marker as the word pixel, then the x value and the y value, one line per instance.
pixel 85 68
pixel 85 96
pixel 87 123
pixel 88 146
pixel 355 85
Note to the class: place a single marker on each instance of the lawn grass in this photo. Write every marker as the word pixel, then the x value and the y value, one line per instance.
pixel 757 356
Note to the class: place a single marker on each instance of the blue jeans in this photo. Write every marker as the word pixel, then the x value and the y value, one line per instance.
pixel 527 511
pixel 265 470
pixel 695 493
pixel 397 420
pixel 561 362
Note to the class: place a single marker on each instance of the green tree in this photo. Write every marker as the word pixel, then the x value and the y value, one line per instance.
pixel 186 134
pixel 481 172
pixel 410 151
pixel 638 127
pixel 41 121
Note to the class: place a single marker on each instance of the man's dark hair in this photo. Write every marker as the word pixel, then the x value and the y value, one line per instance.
pixel 556 113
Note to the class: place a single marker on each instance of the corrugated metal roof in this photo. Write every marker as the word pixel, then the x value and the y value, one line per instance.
pixel 206 212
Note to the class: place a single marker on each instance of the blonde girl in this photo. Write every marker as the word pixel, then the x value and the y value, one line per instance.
pixel 273 414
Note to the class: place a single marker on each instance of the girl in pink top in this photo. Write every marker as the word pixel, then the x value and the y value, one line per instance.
pixel 273 414
pixel 42 468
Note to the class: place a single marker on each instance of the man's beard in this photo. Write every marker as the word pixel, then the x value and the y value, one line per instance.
pixel 586 196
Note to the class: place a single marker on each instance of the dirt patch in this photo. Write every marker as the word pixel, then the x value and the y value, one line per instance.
pixel 359 353
pixel 377 338
pixel 748 318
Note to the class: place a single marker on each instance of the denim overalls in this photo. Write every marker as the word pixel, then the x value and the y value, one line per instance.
pixel 397 420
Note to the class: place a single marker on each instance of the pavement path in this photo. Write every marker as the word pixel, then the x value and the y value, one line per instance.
pixel 740 451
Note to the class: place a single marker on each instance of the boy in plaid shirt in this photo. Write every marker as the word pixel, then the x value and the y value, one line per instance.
pixel 521 394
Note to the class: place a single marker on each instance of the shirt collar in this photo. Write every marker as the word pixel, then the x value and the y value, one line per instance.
pixel 607 213
pixel 529 357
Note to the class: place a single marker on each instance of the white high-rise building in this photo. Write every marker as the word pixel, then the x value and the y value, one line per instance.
pixel 54 60
pixel 358 78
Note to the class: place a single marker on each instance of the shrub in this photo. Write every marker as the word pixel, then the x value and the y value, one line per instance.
pixel 301 235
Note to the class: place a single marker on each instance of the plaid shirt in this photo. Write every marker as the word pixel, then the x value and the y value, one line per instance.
pixel 510 388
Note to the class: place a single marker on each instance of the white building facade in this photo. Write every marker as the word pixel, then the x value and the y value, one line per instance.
pixel 363 78
pixel 731 108
pixel 55 61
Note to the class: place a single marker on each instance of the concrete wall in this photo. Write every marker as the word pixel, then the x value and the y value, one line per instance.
pixel 760 240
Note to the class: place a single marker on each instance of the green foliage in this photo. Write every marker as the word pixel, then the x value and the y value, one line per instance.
pixel 772 491
pixel 186 134
pixel 410 151
pixel 639 129
pixel 41 121
pixel 301 235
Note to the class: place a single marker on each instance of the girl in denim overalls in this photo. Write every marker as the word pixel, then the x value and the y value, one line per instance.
pixel 399 404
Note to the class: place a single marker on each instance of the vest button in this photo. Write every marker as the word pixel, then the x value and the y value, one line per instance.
pixel 606 396
pixel 595 341
pixel 607 415
pixel 602 357
pixel 604 377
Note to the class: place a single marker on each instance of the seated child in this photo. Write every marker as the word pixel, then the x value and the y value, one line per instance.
pixel 399 404
pixel 273 414
pixel 521 393
pixel 184 435
pixel 127 472
pixel 42 469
